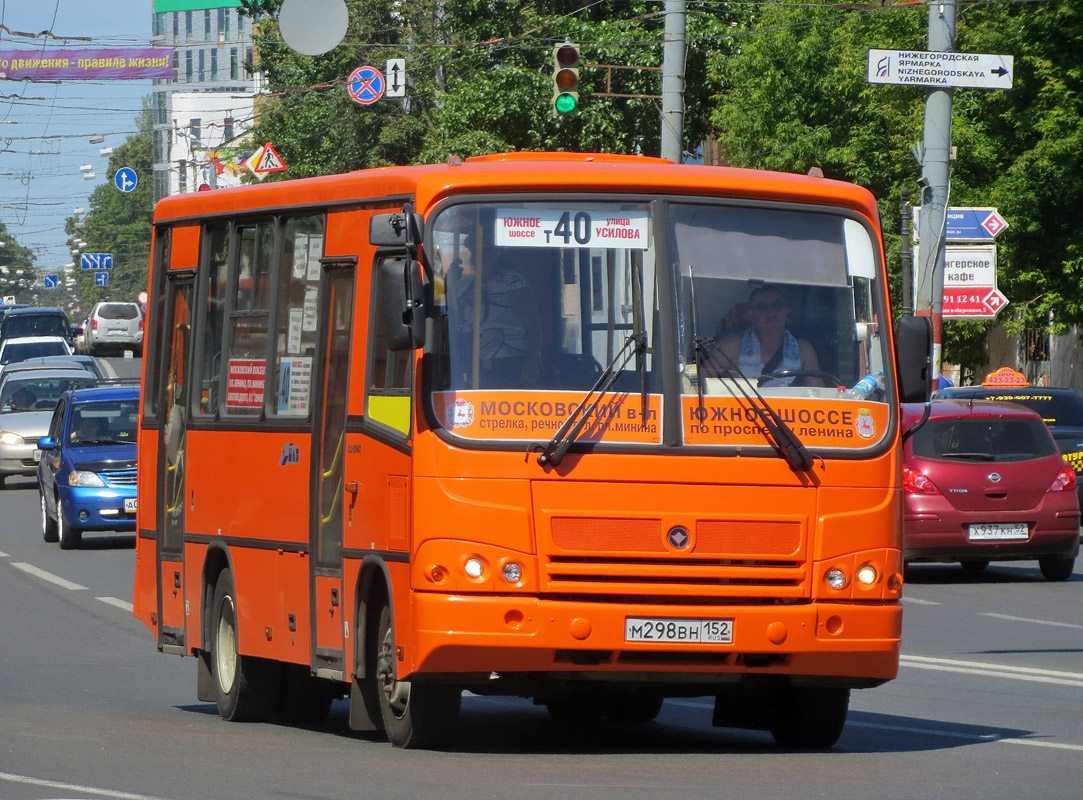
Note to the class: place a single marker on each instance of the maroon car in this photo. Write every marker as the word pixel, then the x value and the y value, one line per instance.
pixel 984 481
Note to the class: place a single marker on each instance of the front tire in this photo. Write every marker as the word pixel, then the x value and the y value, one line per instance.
pixel 70 537
pixel 414 714
pixel 48 524
pixel 1056 569
pixel 810 717
pixel 245 687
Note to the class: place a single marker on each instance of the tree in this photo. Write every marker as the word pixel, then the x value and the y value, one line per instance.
pixel 16 259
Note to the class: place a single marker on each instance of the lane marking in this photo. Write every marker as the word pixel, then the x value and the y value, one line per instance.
pixel 1035 621
pixel 116 601
pixel 920 602
pixel 3 554
pixel 1032 674
pixel 47 576
pixel 74 787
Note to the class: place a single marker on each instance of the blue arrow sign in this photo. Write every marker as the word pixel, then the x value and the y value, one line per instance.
pixel 52 281
pixel 96 261
pixel 101 278
pixel 126 179
pixel 968 224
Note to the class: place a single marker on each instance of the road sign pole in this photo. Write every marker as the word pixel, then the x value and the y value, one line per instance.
pixel 935 158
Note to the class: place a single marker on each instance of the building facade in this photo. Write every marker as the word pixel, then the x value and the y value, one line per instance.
pixel 206 108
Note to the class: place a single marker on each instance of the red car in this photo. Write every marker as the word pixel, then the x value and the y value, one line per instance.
pixel 984 481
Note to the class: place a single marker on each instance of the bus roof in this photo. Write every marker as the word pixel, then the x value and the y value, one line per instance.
pixel 510 172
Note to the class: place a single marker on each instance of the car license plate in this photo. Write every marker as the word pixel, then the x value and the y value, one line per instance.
pixel 992 530
pixel 685 631
pixel 37 454
pixel 129 505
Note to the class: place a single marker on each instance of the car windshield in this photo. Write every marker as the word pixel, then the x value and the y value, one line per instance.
pixel 20 351
pixel 35 325
pixel 104 422
pixel 983 439
pixel 38 394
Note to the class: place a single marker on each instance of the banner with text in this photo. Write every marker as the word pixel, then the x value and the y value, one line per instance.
pixel 127 63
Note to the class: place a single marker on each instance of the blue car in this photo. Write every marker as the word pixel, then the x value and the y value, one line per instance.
pixel 87 472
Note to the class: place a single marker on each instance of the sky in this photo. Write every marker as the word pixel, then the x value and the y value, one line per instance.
pixel 45 127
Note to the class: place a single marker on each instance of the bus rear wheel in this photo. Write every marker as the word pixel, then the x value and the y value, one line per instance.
pixel 414 714
pixel 245 687
pixel 810 716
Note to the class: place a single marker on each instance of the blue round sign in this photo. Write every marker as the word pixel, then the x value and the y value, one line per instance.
pixel 366 85
pixel 126 179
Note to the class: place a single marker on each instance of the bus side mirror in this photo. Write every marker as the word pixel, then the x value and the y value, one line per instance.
pixel 402 304
pixel 397 229
pixel 913 358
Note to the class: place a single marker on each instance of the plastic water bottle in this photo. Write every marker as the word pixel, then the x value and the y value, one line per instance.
pixel 864 387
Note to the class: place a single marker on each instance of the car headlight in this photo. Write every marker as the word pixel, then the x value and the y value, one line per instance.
pixel 7 437
pixel 80 477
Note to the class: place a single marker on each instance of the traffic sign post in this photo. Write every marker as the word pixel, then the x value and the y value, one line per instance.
pixel 365 85
pixel 396 77
pixel 52 281
pixel 928 68
pixel 101 278
pixel 126 179
pixel 973 224
pixel 96 261
pixel 970 282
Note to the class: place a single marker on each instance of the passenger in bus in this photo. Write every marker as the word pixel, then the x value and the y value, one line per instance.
pixel 509 344
pixel 766 346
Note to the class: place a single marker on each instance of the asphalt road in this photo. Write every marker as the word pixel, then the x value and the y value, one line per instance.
pixel 988 703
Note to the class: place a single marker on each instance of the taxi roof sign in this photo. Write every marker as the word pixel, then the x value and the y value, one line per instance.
pixel 1005 377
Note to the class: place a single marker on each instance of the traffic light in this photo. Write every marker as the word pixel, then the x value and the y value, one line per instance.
pixel 565 79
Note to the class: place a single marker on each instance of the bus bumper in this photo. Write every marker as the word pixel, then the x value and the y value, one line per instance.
pixel 855 644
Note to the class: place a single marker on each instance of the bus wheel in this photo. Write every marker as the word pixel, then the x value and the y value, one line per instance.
pixel 414 714
pixel 48 524
pixel 810 716
pixel 245 687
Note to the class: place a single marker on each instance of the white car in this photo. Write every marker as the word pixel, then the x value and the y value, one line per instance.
pixel 23 347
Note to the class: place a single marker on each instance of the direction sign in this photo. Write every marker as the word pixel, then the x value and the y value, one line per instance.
pixel 975 302
pixel 126 179
pixel 970 265
pixel 396 77
pixel 101 278
pixel 365 85
pixel 930 68
pixel 52 281
pixel 969 224
pixel 96 261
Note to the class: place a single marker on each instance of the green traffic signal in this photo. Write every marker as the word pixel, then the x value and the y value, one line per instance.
pixel 565 78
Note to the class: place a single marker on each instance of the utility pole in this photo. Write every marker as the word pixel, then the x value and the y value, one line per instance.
pixel 935 177
pixel 673 52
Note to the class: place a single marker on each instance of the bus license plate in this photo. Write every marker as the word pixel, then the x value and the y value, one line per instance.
pixel 129 505
pixel 994 530
pixel 684 631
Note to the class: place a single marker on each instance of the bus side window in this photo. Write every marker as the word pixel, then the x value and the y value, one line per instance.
pixel 210 348
pixel 390 373
pixel 296 315
pixel 248 320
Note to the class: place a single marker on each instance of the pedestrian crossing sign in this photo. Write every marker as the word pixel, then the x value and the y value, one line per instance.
pixel 268 160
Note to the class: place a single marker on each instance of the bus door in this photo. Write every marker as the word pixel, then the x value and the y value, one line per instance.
pixel 328 466
pixel 172 442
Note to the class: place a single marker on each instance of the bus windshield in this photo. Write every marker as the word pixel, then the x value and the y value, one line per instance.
pixel 535 300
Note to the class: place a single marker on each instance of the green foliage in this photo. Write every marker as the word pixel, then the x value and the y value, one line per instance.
pixel 26 288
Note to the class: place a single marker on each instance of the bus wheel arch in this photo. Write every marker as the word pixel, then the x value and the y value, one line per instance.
pixel 373 591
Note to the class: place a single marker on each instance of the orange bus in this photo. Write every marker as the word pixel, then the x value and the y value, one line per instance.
pixel 509 425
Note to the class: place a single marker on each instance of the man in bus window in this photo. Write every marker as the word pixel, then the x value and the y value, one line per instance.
pixel 766 346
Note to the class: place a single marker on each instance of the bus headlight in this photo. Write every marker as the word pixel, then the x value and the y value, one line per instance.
pixel 866 573
pixel 473 568
pixel 513 573
pixel 835 578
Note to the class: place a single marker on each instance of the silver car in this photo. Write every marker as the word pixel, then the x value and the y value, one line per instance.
pixel 26 406
pixel 114 326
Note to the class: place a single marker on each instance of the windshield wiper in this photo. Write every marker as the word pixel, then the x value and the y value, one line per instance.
pixel 782 437
pixel 553 453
